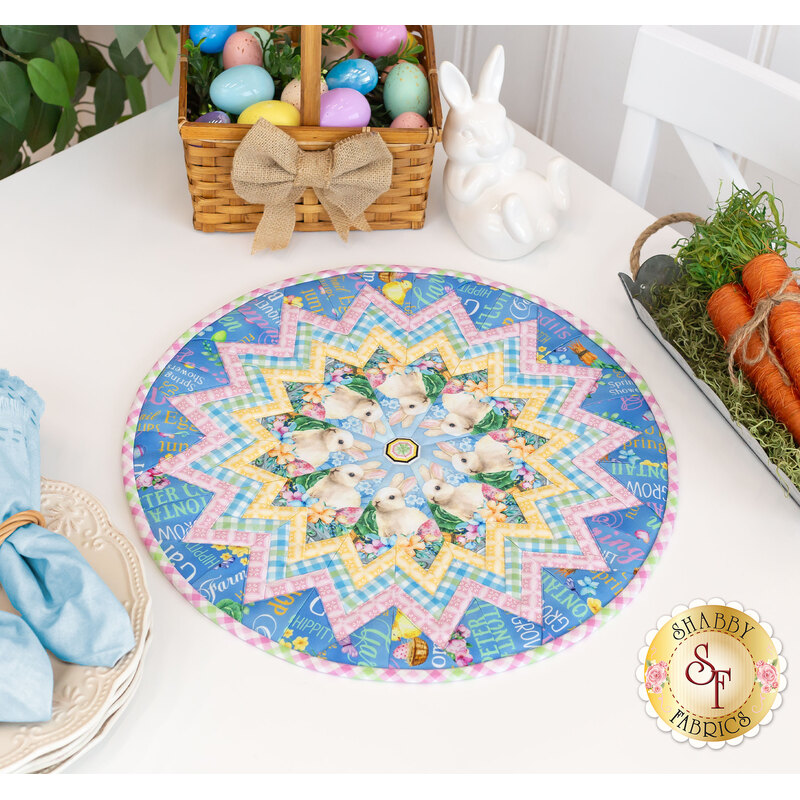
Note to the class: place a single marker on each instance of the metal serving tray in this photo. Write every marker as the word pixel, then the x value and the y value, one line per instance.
pixel 662 270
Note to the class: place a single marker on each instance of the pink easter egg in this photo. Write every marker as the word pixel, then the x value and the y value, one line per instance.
pixel 242 48
pixel 409 119
pixel 379 40
pixel 344 108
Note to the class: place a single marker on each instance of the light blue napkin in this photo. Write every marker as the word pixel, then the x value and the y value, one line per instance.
pixel 47 580
pixel 26 677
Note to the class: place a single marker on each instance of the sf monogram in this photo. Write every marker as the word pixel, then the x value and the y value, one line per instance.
pixel 717 676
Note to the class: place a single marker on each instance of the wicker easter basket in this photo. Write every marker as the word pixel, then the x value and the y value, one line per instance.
pixel 209 149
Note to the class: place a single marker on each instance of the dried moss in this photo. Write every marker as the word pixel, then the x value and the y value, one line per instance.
pixel 679 310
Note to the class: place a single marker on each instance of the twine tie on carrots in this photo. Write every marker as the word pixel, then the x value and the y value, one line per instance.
pixel 7 527
pixel 271 169
pixel 759 324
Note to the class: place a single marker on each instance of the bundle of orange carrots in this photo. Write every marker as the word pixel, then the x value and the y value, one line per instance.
pixel 739 254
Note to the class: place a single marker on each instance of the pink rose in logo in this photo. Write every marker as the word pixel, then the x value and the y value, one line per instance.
pixel 767 675
pixel 655 677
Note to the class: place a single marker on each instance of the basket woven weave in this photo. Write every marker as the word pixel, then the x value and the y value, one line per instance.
pixel 209 149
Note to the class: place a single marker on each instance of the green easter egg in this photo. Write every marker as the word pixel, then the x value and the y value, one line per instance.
pixel 406 89
pixel 219 336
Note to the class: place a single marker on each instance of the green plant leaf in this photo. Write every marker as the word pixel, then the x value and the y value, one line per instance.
pixel 66 59
pixel 66 128
pixel 10 142
pixel 91 60
pixel 48 82
pixel 135 94
pixel 132 64
pixel 40 124
pixel 29 38
pixel 80 89
pixel 86 131
pixel 109 99
pixel 15 94
pixel 161 42
pixel 129 36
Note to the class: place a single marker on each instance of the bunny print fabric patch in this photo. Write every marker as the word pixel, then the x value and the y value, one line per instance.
pixel 410 475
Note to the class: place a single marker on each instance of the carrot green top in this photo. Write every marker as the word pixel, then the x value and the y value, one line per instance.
pixel 742 227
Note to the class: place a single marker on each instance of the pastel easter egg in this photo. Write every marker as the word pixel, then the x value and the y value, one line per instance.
pixel 353 73
pixel 344 108
pixel 385 72
pixel 379 40
pixel 239 87
pixel 274 111
pixel 333 52
pixel 219 336
pixel 242 48
pixel 409 119
pixel 406 89
pixel 262 34
pixel 215 36
pixel 291 92
pixel 214 116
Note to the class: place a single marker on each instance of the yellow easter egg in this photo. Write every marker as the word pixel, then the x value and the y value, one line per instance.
pixel 275 111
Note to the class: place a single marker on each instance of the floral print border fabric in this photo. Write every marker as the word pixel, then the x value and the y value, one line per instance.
pixel 407 475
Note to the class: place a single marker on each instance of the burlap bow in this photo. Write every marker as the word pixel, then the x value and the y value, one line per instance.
pixel 270 168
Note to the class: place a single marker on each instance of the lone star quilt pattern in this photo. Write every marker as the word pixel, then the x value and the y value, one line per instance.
pixel 406 475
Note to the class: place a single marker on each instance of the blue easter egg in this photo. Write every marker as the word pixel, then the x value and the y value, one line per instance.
pixel 214 116
pixel 239 87
pixel 215 36
pixel 353 73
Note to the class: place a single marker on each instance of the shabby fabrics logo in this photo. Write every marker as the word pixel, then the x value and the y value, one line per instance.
pixel 711 673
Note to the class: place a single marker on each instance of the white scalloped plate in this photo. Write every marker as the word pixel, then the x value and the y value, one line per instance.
pixel 58 759
pixel 82 696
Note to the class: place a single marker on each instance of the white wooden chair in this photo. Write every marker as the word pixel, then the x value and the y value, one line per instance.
pixel 718 103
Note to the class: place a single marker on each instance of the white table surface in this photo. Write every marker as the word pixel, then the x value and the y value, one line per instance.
pixel 102 270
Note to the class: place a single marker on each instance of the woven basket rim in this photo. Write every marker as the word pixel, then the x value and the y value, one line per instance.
pixel 234 131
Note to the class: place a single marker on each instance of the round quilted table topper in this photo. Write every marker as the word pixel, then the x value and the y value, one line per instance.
pixel 404 475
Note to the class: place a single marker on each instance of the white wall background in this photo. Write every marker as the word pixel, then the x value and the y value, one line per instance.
pixel 565 84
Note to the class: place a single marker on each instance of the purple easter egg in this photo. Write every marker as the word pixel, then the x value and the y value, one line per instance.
pixel 214 116
pixel 343 108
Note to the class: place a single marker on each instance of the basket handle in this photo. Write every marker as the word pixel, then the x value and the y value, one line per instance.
pixel 661 222
pixel 310 71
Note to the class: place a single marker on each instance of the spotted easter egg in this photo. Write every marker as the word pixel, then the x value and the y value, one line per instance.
pixel 213 36
pixel 409 119
pixel 379 40
pixel 385 72
pixel 274 111
pixel 242 48
pixel 262 34
pixel 406 89
pixel 344 108
pixel 353 73
pixel 239 87
pixel 291 92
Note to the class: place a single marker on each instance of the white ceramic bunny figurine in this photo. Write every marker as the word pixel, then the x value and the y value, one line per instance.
pixel 500 209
